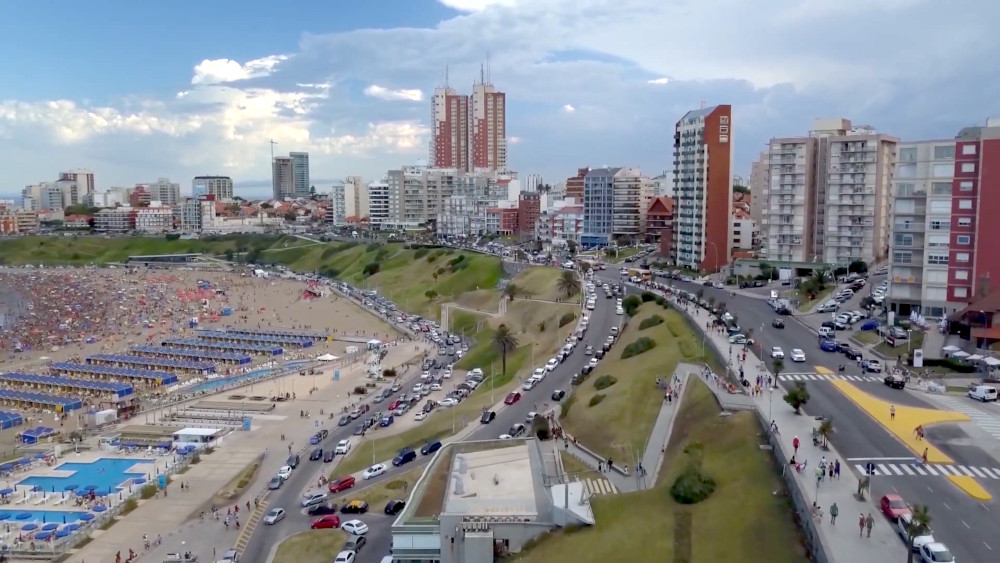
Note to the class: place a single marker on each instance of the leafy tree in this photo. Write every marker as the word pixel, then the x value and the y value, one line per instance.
pixel 631 304
pixel 920 524
pixel 506 342
pixel 511 291
pixel 571 245
pixel 797 396
pixel 826 430
pixel 820 277
pixel 857 267
pixel 568 283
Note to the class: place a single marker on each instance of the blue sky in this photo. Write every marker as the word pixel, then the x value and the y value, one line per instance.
pixel 142 90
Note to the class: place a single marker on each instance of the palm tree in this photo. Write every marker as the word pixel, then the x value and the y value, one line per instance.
pixel 825 430
pixel 776 368
pixel 506 342
pixel 568 283
pixel 920 524
pixel 820 277
pixel 511 291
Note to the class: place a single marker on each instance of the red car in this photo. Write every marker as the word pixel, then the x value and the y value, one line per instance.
pixel 512 398
pixel 341 484
pixel 893 506
pixel 326 522
pixel 395 403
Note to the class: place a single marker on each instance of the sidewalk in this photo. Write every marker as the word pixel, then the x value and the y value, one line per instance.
pixel 175 517
pixel 841 540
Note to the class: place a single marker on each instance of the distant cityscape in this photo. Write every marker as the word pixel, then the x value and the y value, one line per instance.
pixel 837 195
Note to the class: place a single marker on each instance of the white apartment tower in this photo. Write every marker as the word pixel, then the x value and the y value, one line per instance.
pixel 378 203
pixel 355 198
pixel 165 191
pixel 219 186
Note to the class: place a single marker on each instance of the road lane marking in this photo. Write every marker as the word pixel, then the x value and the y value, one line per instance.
pixel 907 469
pixel 895 469
pixel 989 472
pixel 880 459
pixel 978 472
pixel 883 469
pixel 823 370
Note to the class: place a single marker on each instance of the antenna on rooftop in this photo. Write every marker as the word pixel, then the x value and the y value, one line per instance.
pixel 482 74
pixel 445 75
pixel 488 80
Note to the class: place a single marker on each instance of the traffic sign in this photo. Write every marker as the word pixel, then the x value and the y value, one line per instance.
pixel 870 468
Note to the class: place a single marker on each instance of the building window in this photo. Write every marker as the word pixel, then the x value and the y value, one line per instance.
pixel 965 204
pixel 906 171
pixel 939 225
pixel 724 119
pixel 723 129
pixel 968 149
pixel 961 274
pixel 963 239
pixel 961 292
pixel 723 138
pixel 938 259
pixel 962 257
pixel 940 188
pixel 965 221
pixel 965 185
pixel 908 154
pixel 943 170
pixel 943 152
pixel 968 167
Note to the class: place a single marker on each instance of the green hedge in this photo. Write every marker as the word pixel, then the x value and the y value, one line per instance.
pixel 595 400
pixel 566 319
pixel 605 381
pixel 650 322
pixel 949 363
pixel 692 486
pixel 638 347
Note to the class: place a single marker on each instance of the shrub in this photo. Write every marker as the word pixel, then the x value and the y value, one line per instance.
pixel 449 252
pixel 440 271
pixel 541 326
pixel 330 252
pixel 130 505
pixel 147 491
pixel 389 372
pixel 456 260
pixel 431 258
pixel 360 390
pixel 420 253
pixel 631 304
pixel 605 381
pixel 371 269
pixel 373 247
pixel 662 302
pixel 688 349
pixel 195 458
pixel 242 484
pixel 457 266
pixel 692 486
pixel 566 319
pixel 647 297
pixel 331 272
pixel 430 294
pixel 595 400
pixel 566 405
pixel 650 322
pixel 638 347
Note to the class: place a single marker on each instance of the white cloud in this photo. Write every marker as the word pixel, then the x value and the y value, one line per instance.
pixel 568 108
pixel 513 140
pixel 218 71
pixel 661 80
pixel 383 93
pixel 476 5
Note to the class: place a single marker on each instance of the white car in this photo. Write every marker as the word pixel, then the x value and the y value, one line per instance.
pixel 529 384
pixel 343 447
pixel 506 437
pixel 593 362
pixel 285 472
pixel 356 527
pixel 551 364
pixel 435 386
pixel 420 416
pixel 798 355
pixel 345 557
pixel 619 311
pixel 539 373
pixel 274 516
pixel 446 373
pixel 936 552
pixel 903 529
pixel 373 471
pixel 777 352
pixel 530 417
pixel 310 499
pixel 448 402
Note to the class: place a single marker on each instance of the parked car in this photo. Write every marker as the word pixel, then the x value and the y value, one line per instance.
pixel 405 455
pixel 778 323
pixel 487 417
pixel 354 507
pixel 274 516
pixel 893 506
pixel 936 552
pixel 345 557
pixel 851 353
pixel 873 366
pixel 310 499
pixel 355 527
pixel 326 523
pixel 328 456
pixel 828 346
pixel 430 447
pixel 512 398
pixel 903 524
pixel 558 395
pixel 394 506
pixel 373 471
pixel 316 454
pixel 322 509
pixel 275 483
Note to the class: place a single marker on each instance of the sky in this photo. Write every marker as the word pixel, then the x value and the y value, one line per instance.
pixel 140 90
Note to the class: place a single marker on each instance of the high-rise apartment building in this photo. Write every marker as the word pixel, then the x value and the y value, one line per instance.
pixel 488 121
pixel 219 186
pixel 356 204
pixel 828 195
pixel 450 129
pixel 164 191
pixel 759 182
pixel 281 177
pixel 83 178
pixel 574 184
pixel 612 200
pixel 703 188
pixel 301 184
pixel 336 214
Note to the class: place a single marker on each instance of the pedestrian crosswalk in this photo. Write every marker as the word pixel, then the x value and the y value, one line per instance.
pixel 989 423
pixel 827 377
pixel 597 486
pixel 914 469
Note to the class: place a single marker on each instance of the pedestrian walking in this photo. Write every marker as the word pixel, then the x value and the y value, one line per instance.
pixel 600 467
pixel 836 469
pixel 834 511
pixel 861 525
pixel 830 466
pixel 795 446
pixel 869 522
pixel 892 412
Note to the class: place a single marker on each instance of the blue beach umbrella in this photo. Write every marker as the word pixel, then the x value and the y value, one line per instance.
pixel 71 487
pixel 62 533
pixel 29 527
pixel 43 535
pixel 86 516
pixel 22 516
pixel 90 488
pixel 50 526
pixel 99 508
pixel 6 491
pixel 71 527
pixel 4 516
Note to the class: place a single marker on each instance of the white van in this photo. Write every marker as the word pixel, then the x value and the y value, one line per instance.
pixel 983 393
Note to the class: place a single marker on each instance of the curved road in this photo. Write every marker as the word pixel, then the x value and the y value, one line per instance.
pixel 960 521
pixel 264 538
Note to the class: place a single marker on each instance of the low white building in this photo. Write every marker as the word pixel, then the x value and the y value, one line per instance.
pixel 154 219
pixel 743 230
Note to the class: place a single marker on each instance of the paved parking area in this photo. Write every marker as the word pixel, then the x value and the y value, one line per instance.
pixel 814 321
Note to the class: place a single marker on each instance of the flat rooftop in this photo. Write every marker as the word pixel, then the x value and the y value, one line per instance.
pixel 495 482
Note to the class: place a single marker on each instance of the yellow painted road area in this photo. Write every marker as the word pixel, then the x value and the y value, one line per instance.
pixel 903 427
pixel 823 371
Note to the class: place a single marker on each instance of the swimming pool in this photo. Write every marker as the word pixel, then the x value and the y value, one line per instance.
pixel 218 383
pixel 44 516
pixel 104 475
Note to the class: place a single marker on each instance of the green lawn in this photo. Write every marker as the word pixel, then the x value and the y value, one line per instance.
pixel 621 422
pixel 396 488
pixel 742 521
pixel 311 546
pixel 916 342
pixel 806 305
pixel 543 283
pixel 866 336
pixel 574 467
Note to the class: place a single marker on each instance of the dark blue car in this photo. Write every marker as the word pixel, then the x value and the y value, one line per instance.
pixel 386 421
pixel 870 325
pixel 828 346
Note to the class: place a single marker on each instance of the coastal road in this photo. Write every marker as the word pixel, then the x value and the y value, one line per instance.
pixel 960 521
pixel 602 318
